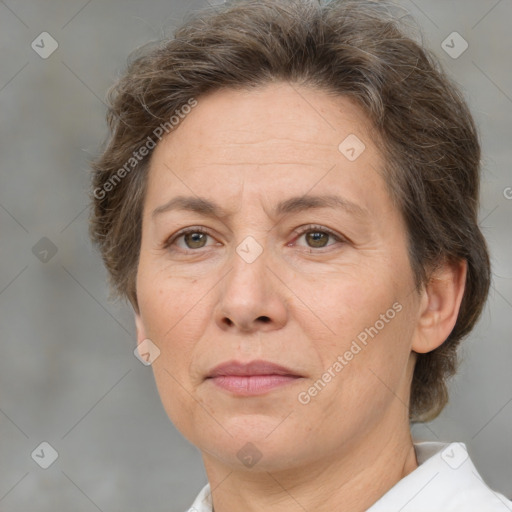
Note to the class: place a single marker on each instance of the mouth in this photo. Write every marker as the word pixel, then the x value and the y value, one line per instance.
pixel 253 378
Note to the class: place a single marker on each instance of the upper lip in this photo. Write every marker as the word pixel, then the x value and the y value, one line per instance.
pixel 257 367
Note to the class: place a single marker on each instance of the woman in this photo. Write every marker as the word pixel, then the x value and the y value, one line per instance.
pixel 289 201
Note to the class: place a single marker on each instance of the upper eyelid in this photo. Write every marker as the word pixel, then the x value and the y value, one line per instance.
pixel 313 227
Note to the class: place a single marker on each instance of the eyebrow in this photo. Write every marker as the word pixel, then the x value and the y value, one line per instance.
pixel 207 208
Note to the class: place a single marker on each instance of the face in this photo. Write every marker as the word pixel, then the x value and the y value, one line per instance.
pixel 301 262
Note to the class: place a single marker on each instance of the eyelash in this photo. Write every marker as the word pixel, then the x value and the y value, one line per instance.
pixel 307 229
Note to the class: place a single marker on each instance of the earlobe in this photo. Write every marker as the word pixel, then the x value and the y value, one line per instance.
pixel 440 305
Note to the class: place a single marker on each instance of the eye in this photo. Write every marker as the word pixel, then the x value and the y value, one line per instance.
pixel 193 238
pixel 318 236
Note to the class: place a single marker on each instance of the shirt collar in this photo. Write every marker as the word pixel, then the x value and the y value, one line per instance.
pixel 445 479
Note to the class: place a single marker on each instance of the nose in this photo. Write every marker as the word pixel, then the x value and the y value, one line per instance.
pixel 251 296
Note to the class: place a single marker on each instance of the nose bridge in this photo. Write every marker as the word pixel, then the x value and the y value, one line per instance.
pixel 248 296
pixel 250 255
pixel 247 280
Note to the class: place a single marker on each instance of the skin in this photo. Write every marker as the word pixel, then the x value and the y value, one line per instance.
pixel 299 304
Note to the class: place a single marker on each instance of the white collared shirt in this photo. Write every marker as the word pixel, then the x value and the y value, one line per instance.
pixel 445 481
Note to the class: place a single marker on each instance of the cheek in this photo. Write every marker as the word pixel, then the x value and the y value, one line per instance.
pixel 174 397
pixel 378 372
pixel 166 302
pixel 172 319
pixel 174 325
pixel 348 303
pixel 370 321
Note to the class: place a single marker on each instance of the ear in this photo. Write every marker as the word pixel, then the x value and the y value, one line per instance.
pixel 440 304
pixel 139 326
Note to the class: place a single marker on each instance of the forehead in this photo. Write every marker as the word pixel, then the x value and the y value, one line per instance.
pixel 283 113
pixel 276 138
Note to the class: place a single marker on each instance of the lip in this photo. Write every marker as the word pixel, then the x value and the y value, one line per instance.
pixel 256 367
pixel 253 378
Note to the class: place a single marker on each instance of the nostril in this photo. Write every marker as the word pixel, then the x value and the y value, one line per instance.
pixel 264 319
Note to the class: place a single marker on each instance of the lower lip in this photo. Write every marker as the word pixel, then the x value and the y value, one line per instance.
pixel 247 385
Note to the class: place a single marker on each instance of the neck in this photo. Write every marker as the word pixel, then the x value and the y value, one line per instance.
pixel 356 476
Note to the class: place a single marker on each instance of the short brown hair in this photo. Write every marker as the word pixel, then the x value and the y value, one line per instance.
pixel 350 48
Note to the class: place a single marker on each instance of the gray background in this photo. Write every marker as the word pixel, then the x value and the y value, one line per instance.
pixel 68 375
